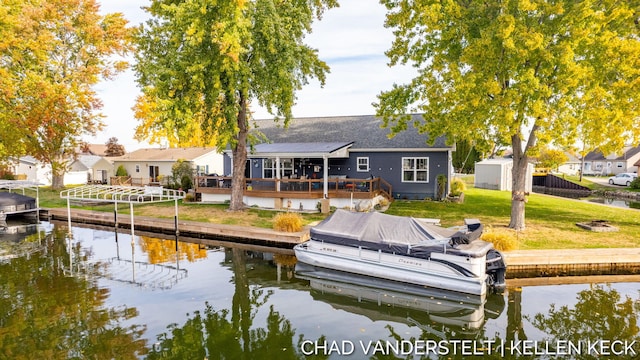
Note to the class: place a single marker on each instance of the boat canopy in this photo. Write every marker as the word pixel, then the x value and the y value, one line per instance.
pixel 347 227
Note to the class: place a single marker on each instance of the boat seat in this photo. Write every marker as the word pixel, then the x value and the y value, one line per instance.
pixel 477 248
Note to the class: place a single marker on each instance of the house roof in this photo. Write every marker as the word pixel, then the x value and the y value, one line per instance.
pixel 86 162
pixel 166 154
pixel 364 132
pixel 626 154
pixel 301 149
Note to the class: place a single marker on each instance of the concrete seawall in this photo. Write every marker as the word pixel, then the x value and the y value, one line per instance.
pixel 520 263
pixel 191 229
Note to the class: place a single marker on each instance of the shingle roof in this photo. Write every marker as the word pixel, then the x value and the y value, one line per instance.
pixel 364 131
pixel 168 154
pixel 597 155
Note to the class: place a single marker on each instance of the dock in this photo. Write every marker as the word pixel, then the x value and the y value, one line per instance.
pixel 521 264
pixel 572 262
pixel 191 229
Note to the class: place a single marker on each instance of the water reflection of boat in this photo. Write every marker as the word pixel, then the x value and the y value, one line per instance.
pixel 15 230
pixel 428 308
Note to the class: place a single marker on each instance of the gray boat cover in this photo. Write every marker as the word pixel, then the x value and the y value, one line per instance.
pixel 373 227
pixel 397 235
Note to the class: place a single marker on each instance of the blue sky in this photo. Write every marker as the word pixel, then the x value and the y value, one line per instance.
pixel 351 39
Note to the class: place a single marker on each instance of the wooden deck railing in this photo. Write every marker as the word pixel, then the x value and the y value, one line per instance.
pixel 270 187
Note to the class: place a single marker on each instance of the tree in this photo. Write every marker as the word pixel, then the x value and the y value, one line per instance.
pixel 465 157
pixel 551 158
pixel 113 148
pixel 525 71
pixel 200 63
pixel 55 52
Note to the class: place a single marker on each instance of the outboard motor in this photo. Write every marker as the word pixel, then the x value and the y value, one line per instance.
pixel 496 269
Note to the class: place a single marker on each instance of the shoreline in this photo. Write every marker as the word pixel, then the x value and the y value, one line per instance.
pixel 521 264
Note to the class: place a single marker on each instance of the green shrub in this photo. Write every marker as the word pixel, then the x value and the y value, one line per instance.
pixel 635 184
pixel 186 182
pixel 288 222
pixel 502 240
pixel 121 171
pixel 457 187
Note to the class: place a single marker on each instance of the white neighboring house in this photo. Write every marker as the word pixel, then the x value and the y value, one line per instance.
pixel 595 163
pixel 89 169
pixel 496 174
pixel 29 168
pixel 572 166
pixel 151 165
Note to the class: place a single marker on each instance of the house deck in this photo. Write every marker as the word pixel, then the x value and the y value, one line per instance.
pixel 297 188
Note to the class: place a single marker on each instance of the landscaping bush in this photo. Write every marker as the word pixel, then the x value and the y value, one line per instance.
pixel 121 171
pixel 502 240
pixel 457 187
pixel 635 184
pixel 288 222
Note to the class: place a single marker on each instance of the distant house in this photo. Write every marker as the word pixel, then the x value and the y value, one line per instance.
pixel 572 166
pixel 496 174
pixel 340 159
pixel 153 164
pixel 90 169
pixel 29 168
pixel 596 163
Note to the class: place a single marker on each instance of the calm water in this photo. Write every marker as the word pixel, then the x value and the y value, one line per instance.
pixel 94 298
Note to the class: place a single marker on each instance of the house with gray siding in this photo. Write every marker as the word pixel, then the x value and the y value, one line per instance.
pixel 339 158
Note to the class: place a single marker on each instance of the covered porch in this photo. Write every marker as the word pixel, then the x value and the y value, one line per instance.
pixel 296 193
pixel 297 175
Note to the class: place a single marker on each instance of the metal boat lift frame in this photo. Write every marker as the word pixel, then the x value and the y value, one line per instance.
pixel 122 194
pixel 23 184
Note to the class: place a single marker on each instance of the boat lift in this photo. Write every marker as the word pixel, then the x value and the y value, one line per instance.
pixel 12 185
pixel 122 194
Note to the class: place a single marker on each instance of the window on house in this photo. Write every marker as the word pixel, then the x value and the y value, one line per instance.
pixel 137 168
pixel 620 164
pixel 415 169
pixel 598 166
pixel 269 168
pixel 363 164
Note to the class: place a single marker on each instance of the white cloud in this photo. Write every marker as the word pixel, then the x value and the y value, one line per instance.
pixel 351 39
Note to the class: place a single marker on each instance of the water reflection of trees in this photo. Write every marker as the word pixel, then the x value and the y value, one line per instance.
pixel 229 333
pixel 46 313
pixel 161 251
pixel 601 313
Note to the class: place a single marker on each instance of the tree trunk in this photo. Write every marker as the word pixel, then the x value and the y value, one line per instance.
pixel 57 177
pixel 518 193
pixel 239 159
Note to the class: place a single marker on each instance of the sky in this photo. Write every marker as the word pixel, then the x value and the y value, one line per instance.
pixel 351 39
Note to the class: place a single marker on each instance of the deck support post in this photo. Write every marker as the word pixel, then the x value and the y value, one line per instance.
pixel 325 176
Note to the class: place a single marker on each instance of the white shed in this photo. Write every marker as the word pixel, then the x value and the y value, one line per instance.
pixel 495 174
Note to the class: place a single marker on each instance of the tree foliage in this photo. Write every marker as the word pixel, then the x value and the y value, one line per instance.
pixel 201 62
pixel 465 157
pixel 52 52
pixel 517 71
pixel 551 158
pixel 113 148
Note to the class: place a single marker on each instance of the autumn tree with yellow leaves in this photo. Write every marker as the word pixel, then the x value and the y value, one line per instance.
pixel 52 53
pixel 522 71
pixel 201 63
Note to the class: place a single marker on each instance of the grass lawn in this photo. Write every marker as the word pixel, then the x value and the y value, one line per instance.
pixel 550 220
